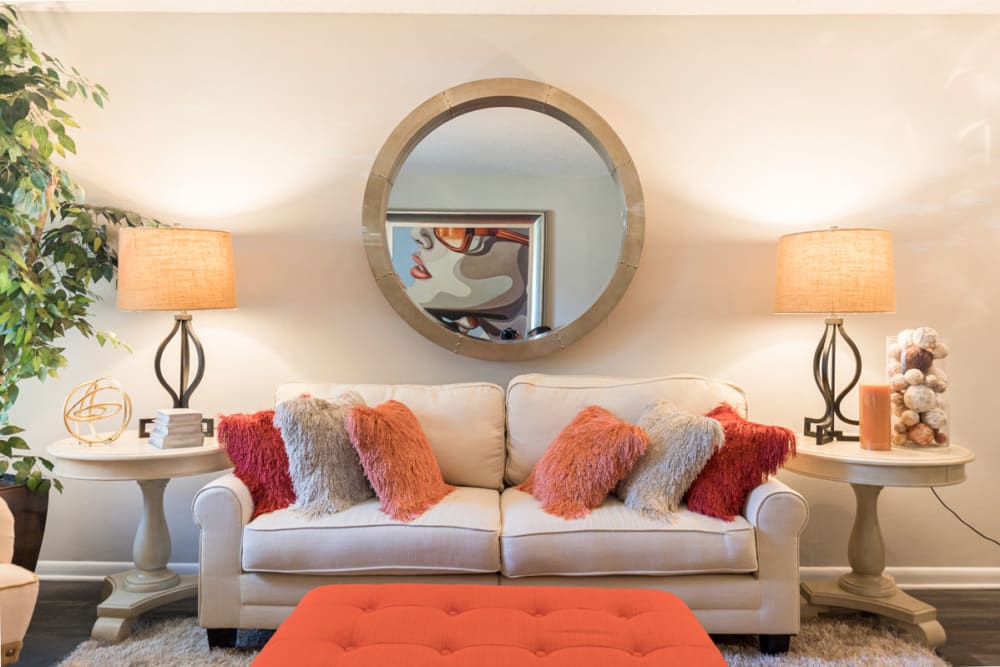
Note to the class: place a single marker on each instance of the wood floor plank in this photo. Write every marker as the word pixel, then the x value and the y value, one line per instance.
pixel 66 612
pixel 972 620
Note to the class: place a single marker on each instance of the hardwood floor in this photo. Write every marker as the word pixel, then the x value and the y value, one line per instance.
pixel 67 610
pixel 972 620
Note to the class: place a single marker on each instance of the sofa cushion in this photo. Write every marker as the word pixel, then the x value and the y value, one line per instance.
pixel 539 406
pixel 323 464
pixel 680 444
pixel 464 423
pixel 397 459
pixel 617 540
pixel 458 535
pixel 752 452
pixel 584 463
pixel 255 447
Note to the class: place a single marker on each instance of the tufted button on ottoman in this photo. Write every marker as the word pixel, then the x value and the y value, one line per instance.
pixel 415 625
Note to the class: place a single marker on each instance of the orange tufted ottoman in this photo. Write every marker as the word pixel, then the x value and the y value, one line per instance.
pixel 413 625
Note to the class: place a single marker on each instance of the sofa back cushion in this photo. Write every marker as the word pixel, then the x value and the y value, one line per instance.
pixel 464 423
pixel 539 406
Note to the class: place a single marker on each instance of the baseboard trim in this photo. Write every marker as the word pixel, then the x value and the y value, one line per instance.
pixel 95 570
pixel 916 578
pixel 907 577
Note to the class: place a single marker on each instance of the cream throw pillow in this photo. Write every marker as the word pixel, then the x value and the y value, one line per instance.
pixel 680 444
pixel 324 467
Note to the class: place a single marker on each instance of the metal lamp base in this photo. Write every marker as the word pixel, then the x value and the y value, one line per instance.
pixel 824 428
pixel 182 396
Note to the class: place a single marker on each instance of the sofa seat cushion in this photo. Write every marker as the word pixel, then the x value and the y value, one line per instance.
pixel 617 540
pixel 458 535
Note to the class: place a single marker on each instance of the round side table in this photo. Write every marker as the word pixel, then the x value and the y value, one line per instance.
pixel 151 583
pixel 866 587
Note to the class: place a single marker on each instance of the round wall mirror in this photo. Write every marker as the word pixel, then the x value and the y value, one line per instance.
pixel 503 219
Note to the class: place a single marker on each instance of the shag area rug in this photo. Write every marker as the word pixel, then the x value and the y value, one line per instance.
pixel 825 642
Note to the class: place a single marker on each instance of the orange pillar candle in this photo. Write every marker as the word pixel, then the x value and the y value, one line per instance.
pixel 875 416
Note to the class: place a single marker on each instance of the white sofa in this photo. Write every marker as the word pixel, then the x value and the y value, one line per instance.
pixel 739 577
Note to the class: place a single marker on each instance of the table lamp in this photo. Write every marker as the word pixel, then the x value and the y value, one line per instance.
pixel 172 268
pixel 835 271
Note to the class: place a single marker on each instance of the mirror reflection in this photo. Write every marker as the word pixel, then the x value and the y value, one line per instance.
pixel 504 224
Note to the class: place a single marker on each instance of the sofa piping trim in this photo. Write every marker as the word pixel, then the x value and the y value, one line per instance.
pixel 23 584
pixel 623 382
pixel 380 525
pixel 750 529
pixel 632 573
pixel 380 568
pixel 454 385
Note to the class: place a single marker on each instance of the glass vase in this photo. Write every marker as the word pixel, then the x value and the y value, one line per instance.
pixel 918 385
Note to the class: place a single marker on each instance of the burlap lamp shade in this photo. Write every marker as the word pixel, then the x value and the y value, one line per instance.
pixel 836 271
pixel 170 268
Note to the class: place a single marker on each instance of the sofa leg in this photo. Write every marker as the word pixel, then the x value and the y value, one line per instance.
pixel 771 644
pixel 221 637
pixel 10 653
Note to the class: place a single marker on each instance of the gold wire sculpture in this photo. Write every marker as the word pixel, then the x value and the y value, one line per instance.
pixel 83 409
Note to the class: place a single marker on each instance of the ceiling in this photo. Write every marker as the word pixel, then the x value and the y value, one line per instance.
pixel 529 7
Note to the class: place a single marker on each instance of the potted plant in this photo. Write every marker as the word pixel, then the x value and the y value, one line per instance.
pixel 53 250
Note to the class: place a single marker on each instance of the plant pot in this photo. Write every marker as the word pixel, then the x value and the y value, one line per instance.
pixel 30 511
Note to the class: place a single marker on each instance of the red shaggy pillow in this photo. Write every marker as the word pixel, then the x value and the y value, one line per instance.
pixel 586 460
pixel 397 459
pixel 751 452
pixel 257 451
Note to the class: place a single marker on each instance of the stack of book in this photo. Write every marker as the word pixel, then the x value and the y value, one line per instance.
pixel 177 427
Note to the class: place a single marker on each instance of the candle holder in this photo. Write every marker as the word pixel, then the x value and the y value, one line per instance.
pixel 875 413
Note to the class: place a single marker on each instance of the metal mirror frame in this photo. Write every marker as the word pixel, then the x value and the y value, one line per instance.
pixel 486 94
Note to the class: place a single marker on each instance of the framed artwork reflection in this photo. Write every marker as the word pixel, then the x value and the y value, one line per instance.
pixel 476 272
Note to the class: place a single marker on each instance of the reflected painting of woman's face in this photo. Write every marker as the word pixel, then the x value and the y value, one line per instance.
pixel 471 278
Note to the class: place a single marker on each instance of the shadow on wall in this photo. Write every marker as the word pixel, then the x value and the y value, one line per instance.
pixel 831 516
pixel 950 234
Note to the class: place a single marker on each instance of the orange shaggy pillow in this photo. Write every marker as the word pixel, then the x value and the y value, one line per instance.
pixel 397 459
pixel 586 460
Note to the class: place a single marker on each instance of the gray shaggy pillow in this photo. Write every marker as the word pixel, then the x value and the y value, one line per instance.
pixel 680 444
pixel 325 469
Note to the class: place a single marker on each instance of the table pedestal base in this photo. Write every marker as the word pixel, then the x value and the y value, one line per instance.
pixel 123 604
pixel 917 618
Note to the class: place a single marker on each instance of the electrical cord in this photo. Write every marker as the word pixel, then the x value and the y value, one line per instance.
pixel 966 523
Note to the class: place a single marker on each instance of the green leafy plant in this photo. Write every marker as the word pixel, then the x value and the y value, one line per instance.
pixel 55 247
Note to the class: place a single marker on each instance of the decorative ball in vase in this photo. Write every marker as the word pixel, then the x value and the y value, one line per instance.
pixel 918 384
pixel 98 401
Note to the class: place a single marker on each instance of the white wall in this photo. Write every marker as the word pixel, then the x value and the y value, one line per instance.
pixel 741 129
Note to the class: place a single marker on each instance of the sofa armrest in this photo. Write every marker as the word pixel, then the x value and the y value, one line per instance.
pixel 6 533
pixel 775 501
pixel 779 515
pixel 229 487
pixel 221 509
